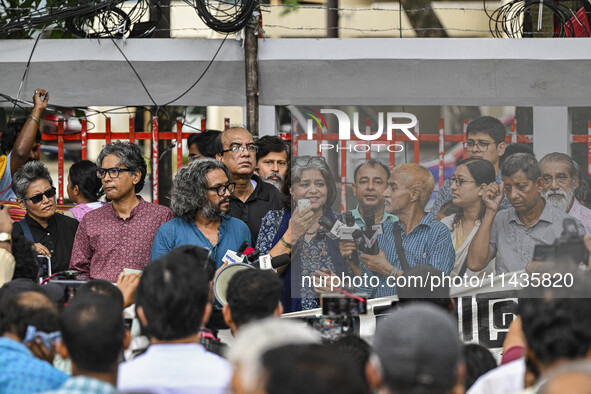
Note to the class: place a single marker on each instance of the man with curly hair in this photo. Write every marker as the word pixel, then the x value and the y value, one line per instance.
pixel 201 201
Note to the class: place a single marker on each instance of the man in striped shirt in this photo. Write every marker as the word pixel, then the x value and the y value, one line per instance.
pixel 424 240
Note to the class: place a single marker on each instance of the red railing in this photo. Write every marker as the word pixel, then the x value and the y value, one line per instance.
pixel 440 137
pixel 132 135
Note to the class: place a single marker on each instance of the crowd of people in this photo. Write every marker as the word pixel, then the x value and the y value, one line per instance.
pixel 145 317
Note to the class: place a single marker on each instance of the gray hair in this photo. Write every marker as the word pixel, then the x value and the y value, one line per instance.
pixel 130 155
pixel 524 162
pixel 256 338
pixel 303 163
pixel 28 174
pixel 573 169
pixel 189 188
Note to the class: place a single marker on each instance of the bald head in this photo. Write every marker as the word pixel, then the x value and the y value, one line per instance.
pixel 25 309
pixel 415 176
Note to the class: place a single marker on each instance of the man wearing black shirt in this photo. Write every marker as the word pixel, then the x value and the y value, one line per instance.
pixel 252 198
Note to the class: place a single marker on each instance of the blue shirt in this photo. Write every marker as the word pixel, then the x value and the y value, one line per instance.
pixel 177 232
pixel 6 192
pixel 387 217
pixel 444 196
pixel 428 243
pixel 22 372
pixel 84 385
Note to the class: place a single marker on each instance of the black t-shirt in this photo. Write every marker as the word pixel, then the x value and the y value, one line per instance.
pixel 263 199
pixel 58 237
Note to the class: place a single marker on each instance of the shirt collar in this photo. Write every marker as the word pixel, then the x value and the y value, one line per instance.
pixel 427 221
pixel 134 211
pixel 80 381
pixel 546 215
pixel 387 217
pixel 15 346
pixel 34 223
pixel 576 207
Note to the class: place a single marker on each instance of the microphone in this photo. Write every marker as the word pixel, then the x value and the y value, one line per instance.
pixel 232 257
pixel 267 262
pixel 369 218
pixel 370 232
pixel 333 227
pixel 242 249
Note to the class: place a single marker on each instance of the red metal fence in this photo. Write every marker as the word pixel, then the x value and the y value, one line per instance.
pixel 132 135
pixel 155 135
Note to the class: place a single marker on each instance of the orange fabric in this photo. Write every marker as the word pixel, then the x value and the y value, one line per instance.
pixel 17 213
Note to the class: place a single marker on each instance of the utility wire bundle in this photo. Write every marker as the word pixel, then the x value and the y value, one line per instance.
pixel 509 18
pixel 224 16
pixel 88 18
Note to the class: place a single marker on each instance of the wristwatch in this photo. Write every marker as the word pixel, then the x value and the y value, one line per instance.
pixel 394 271
pixel 5 237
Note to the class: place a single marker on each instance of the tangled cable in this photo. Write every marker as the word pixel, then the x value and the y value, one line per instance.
pixel 508 19
pixel 224 16
pixel 87 18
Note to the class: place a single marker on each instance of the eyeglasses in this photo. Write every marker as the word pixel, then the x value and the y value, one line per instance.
pixel 481 145
pixel 37 198
pixel 459 181
pixel 306 160
pixel 221 189
pixel 113 172
pixel 235 149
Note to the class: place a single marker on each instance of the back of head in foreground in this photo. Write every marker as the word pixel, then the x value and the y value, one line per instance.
pixel 252 295
pixel 255 339
pixel 419 350
pixel 30 308
pixel 172 298
pixel 93 333
pixel 310 369
pixel 556 323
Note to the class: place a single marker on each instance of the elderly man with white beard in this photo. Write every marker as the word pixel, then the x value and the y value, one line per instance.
pixel 561 179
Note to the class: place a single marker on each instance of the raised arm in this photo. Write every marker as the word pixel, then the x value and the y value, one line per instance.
pixel 479 253
pixel 25 140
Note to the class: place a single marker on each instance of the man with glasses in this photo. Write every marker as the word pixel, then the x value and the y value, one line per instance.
pixel 562 179
pixel 511 235
pixel 203 144
pixel 252 198
pixel 485 140
pixel 118 235
pixel 200 201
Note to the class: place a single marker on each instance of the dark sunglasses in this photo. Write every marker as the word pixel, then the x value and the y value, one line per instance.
pixel 37 198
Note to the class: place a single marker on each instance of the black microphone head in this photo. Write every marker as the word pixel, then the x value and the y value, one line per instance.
pixel 243 247
pixel 369 216
pixel 326 222
pixel 358 239
pixel 254 256
pixel 349 219
pixel 281 260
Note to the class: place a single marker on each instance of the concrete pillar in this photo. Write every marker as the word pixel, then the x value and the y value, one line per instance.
pixel 267 120
pixel 551 130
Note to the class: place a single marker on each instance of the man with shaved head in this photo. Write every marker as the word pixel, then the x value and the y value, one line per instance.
pixel 253 197
pixel 423 240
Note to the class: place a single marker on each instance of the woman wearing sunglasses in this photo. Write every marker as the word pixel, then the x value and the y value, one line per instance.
pixel 52 234
pixel 294 229
pixel 468 185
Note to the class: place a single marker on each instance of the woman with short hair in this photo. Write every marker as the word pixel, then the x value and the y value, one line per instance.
pixel 52 234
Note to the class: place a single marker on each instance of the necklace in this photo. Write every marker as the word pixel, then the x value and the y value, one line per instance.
pixel 313 257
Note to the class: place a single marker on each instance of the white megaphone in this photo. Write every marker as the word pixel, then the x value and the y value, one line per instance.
pixel 221 280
